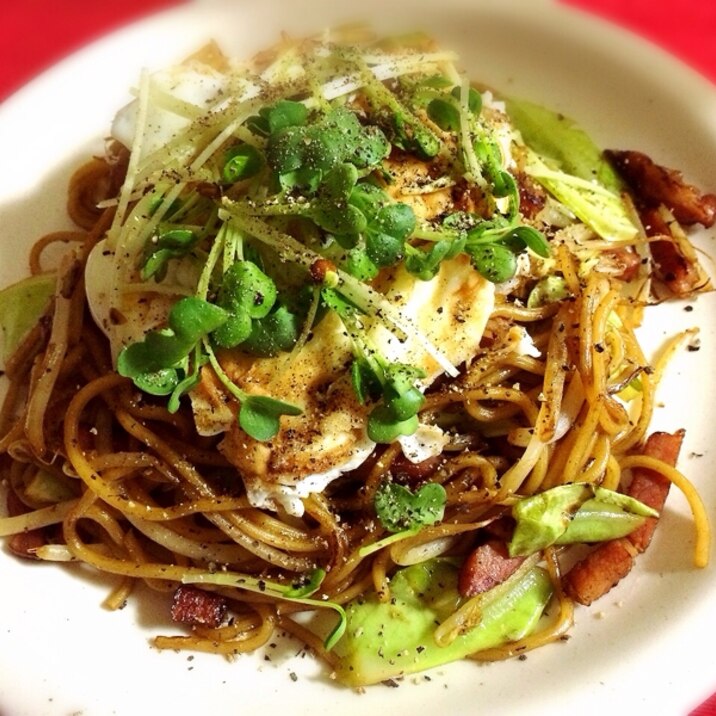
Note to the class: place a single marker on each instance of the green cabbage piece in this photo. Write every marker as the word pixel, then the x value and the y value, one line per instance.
pixel 21 306
pixel 569 165
pixel 387 640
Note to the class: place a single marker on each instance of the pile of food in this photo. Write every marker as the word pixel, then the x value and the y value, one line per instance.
pixel 344 346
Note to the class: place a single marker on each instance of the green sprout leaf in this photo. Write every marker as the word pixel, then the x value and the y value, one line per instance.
pixel 301 156
pixel 474 99
pixel 170 243
pixel 385 427
pixel 159 382
pixel 189 320
pixel 374 377
pixel 278 116
pixel 425 263
pixel 259 415
pixel 331 209
pixel 525 236
pixel 404 129
pixel 246 293
pixel 445 114
pixel 385 235
pixel 398 508
pixel 271 335
pixel 445 111
pixel 497 263
pixel 400 396
pixel 241 162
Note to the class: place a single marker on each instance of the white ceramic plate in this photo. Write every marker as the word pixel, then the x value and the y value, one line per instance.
pixel 646 645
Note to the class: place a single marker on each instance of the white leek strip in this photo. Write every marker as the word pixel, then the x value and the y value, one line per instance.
pixel 43 517
pixel 427 187
pixel 285 69
pixel 341 86
pixel 211 122
pixel 134 236
pixel 248 108
pixel 472 166
pixel 452 73
pixel 171 103
pixel 54 553
pixel 135 155
pixel 408 61
pixel 361 294
pixel 539 170
pixel 202 289
pixel 422 552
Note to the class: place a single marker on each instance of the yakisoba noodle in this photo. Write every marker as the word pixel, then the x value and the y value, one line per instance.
pixel 556 390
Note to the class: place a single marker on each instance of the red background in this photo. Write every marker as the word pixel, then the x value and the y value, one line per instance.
pixel 34 34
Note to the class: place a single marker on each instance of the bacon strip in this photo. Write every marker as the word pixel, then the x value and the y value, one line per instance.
pixel 412 472
pixel 23 544
pixel 627 261
pixel 532 197
pixel 680 274
pixel 603 568
pixel 651 487
pixel 197 607
pixel 653 185
pixel 485 567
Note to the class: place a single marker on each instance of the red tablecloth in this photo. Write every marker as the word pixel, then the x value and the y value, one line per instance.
pixel 34 34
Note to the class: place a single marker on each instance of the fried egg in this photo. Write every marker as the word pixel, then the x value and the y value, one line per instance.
pixel 329 438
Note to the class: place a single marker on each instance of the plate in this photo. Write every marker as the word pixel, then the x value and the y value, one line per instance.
pixel 643 645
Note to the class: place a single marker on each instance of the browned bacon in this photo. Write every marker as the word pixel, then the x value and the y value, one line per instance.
pixel 651 487
pixel 603 568
pixel 599 571
pixel 485 567
pixel 679 273
pixel 627 262
pixel 198 607
pixel 532 197
pixel 23 544
pixel 406 471
pixel 652 185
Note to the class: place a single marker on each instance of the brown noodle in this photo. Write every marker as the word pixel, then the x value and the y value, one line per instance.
pixel 149 501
